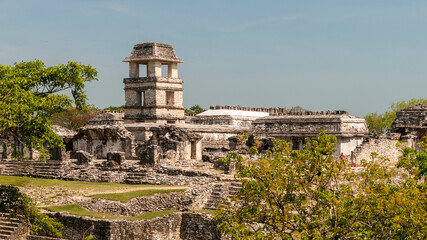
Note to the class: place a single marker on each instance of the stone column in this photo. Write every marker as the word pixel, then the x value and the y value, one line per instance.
pixel 133 70
pixel 154 69
pixel 173 70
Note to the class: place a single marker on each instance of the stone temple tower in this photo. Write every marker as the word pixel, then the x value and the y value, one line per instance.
pixel 153 91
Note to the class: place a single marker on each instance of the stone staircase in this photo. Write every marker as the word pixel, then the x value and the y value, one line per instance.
pixel 234 188
pixel 11 228
pixel 32 168
pixel 221 191
pixel 140 177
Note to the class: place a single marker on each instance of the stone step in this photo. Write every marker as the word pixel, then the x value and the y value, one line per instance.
pixel 4 236
pixel 7 227
pixel 6 232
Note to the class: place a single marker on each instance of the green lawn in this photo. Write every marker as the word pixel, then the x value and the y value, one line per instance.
pixel 126 196
pixel 75 209
pixel 94 187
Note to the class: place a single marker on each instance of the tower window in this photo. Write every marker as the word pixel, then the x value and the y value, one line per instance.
pixel 143 71
pixel 165 70
pixel 169 98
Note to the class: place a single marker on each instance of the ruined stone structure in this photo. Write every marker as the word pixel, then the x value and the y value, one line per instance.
pixel 411 123
pixel 150 96
pixel 153 130
pixel 177 226
pixel 408 129
pixel 295 127
pixel 153 142
pixel 103 134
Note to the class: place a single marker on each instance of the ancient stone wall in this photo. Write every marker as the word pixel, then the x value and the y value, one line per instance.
pixel 169 143
pixel 198 226
pixel 185 226
pixel 136 206
pixel 385 147
pixel 98 140
pixel 102 171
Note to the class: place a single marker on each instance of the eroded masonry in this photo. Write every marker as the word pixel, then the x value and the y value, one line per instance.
pixel 153 141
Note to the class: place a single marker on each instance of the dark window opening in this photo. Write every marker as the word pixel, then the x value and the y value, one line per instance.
pixel 142 96
pixel 169 98
pixel 69 146
pixel 193 150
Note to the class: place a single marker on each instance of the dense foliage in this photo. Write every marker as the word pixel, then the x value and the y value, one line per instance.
pixel 415 162
pixel 30 93
pixel 382 122
pixel 310 194
pixel 20 206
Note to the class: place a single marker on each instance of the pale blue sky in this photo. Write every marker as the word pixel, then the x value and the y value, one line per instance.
pixel 358 55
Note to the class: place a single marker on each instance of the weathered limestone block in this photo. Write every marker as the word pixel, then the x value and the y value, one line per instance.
pixel 84 157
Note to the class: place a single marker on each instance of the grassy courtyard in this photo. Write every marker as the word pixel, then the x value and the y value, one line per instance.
pixel 48 191
pixel 75 209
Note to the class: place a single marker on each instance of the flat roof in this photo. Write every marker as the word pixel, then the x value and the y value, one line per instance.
pixel 214 112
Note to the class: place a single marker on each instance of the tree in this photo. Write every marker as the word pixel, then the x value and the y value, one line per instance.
pixel 382 122
pixel 20 206
pixel 195 109
pixel 310 194
pixel 415 161
pixel 73 118
pixel 30 93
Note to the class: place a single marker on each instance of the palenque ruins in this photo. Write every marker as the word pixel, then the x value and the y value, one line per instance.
pixel 154 142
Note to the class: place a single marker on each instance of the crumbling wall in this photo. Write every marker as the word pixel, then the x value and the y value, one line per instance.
pixel 185 226
pixel 385 147
pixel 136 206
pixel 169 143
pixel 98 140
pixel 198 226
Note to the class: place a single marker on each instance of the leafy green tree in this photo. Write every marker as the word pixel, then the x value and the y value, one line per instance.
pixel 20 206
pixel 73 118
pixel 310 194
pixel 382 122
pixel 414 161
pixel 195 109
pixel 30 93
